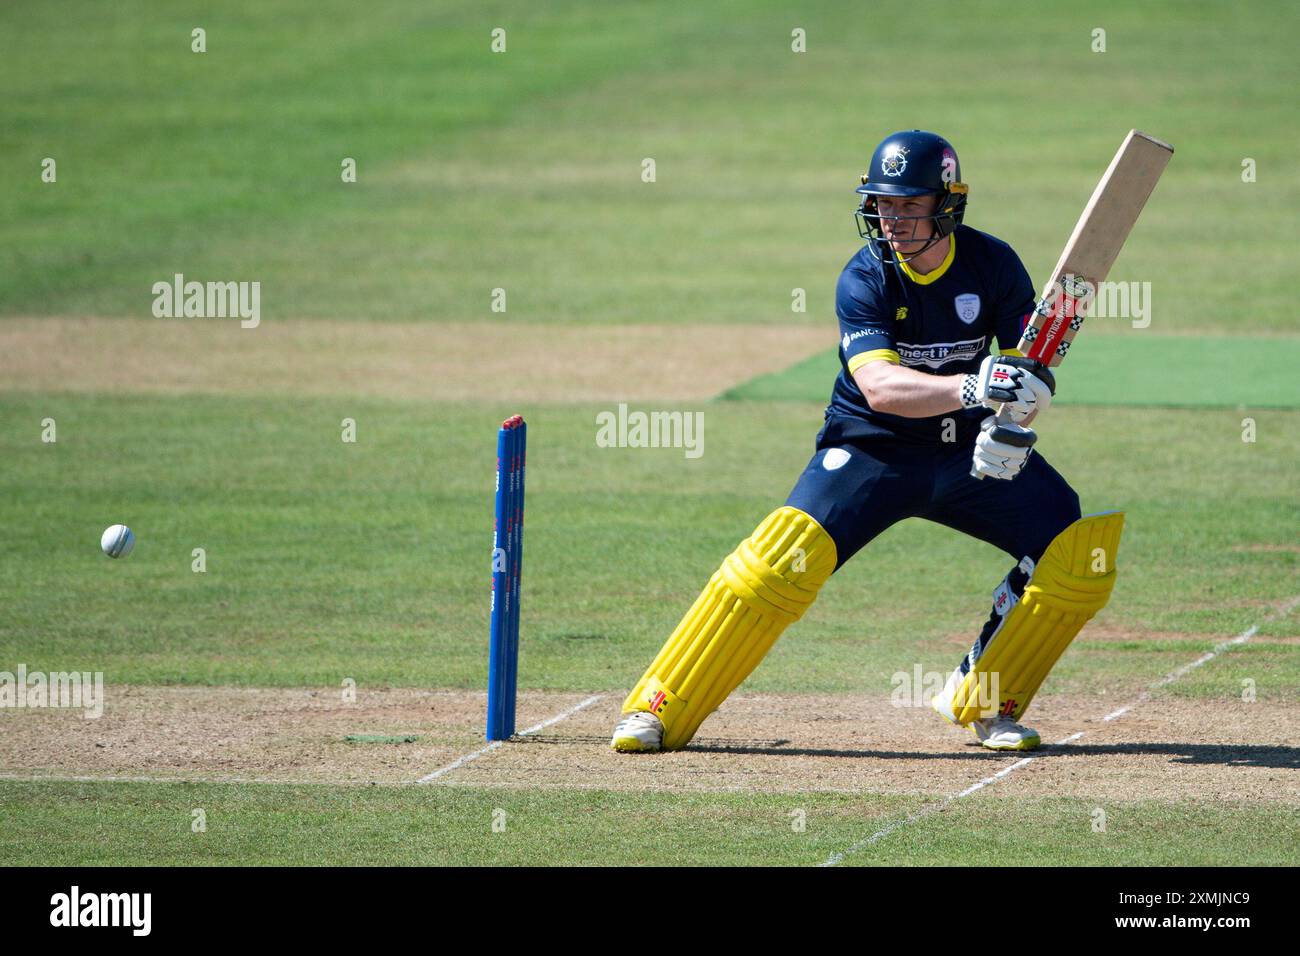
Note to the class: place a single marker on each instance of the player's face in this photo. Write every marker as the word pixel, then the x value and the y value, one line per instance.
pixel 902 223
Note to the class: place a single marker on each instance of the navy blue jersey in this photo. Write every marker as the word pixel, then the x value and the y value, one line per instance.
pixel 940 323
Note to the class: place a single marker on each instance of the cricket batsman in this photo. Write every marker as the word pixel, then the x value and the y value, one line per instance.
pixel 929 418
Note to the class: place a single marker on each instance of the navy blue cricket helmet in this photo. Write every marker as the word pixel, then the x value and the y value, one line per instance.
pixel 913 163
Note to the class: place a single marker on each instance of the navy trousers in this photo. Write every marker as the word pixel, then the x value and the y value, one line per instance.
pixel 856 485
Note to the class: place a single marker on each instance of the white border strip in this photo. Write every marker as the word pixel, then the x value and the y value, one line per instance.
pixel 461 761
pixel 836 858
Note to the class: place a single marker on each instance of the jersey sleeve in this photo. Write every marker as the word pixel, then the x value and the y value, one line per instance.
pixel 1015 304
pixel 866 328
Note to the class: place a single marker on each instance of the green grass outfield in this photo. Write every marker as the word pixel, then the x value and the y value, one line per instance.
pixel 327 559
pixel 522 171
pixel 139 824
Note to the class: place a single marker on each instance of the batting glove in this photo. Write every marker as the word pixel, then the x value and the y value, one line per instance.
pixel 1017 386
pixel 1001 450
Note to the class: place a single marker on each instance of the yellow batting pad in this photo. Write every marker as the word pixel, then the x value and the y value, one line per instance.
pixel 1071 582
pixel 763 587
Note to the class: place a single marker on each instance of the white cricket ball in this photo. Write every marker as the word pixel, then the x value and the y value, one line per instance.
pixel 117 541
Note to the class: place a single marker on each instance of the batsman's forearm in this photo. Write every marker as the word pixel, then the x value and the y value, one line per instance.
pixel 895 390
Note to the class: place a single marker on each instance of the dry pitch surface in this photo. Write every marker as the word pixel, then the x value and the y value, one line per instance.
pixel 1168 748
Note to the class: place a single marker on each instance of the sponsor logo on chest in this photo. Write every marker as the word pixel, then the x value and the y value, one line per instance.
pixel 937 354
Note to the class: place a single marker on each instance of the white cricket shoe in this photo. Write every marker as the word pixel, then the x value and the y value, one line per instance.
pixel 638 732
pixel 1003 733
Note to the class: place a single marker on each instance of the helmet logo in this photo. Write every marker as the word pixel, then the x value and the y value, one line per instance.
pixel 894 161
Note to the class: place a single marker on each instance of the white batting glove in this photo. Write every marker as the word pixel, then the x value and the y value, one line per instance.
pixel 1001 450
pixel 1017 386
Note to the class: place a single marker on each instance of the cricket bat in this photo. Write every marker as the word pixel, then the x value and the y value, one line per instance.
pixel 1097 239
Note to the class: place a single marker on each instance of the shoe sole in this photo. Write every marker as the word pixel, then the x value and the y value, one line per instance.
pixel 1029 743
pixel 631 745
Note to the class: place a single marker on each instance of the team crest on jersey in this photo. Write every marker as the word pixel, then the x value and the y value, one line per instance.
pixel 968 307
pixel 894 161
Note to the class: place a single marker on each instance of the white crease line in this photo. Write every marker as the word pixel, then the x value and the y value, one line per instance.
pixel 836 858
pixel 461 761
pixel 996 777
